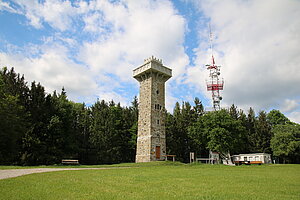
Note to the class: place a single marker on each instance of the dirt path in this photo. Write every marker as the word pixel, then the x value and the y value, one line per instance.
pixel 10 173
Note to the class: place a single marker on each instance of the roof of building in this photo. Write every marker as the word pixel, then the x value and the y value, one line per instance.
pixel 252 154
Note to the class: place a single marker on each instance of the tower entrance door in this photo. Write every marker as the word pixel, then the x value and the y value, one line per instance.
pixel 157 152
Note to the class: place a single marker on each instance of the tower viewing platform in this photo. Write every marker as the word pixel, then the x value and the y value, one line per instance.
pixel 151 65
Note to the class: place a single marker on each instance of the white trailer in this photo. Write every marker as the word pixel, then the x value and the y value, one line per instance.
pixel 252 158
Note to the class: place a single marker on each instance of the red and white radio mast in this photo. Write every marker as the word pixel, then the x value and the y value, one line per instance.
pixel 214 84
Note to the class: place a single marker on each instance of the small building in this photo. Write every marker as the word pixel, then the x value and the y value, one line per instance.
pixel 252 158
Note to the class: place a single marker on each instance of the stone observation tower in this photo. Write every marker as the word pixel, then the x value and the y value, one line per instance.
pixel 151 141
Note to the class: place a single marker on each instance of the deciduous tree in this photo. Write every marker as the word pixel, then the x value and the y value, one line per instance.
pixel 286 142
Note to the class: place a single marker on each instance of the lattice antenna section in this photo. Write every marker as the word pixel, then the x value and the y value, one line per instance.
pixel 215 83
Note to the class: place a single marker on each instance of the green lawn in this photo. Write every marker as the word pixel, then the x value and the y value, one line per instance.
pixel 168 163
pixel 160 180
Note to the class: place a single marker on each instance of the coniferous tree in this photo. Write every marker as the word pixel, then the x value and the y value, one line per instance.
pixel 196 141
pixel 244 139
pixel 113 130
pixel 251 121
pixel 263 133
pixel 233 112
pixel 199 138
pixel 82 128
pixel 133 130
pixel 13 114
pixel 198 108
pixel 39 106
pixel 171 135
pixel 176 139
pixel 13 126
pixel 15 85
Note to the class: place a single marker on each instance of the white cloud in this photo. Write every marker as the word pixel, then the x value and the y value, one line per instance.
pixel 93 23
pixel 116 97
pixel 56 13
pixel 112 39
pixel 258 45
pixel 294 116
pixel 170 102
pixel 54 70
pixel 289 105
pixel 137 31
pixel 7 7
pixel 141 29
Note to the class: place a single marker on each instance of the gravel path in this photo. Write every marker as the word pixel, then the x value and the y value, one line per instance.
pixel 10 173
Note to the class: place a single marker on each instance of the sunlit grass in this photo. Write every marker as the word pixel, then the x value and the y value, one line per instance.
pixel 159 180
pixel 159 163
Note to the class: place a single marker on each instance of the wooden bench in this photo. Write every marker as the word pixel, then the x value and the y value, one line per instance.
pixel 69 162
pixel 207 160
pixel 172 156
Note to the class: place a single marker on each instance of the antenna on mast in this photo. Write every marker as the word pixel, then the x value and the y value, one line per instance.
pixel 214 84
pixel 210 39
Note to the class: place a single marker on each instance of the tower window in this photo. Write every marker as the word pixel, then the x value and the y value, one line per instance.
pixel 158 121
pixel 157 106
pixel 157 91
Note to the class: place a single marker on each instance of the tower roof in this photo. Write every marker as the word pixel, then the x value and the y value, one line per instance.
pixel 152 64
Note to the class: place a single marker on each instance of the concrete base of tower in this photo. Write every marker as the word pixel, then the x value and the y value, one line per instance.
pixel 149 158
pixel 142 158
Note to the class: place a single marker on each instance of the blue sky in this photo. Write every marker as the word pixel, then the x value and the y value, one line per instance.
pixel 91 47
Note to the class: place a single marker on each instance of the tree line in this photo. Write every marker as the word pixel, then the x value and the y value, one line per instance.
pixel 191 129
pixel 37 128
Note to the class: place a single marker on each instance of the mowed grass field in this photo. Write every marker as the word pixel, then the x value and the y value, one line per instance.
pixel 159 180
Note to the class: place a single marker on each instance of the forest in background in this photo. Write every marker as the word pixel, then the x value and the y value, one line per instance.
pixel 37 128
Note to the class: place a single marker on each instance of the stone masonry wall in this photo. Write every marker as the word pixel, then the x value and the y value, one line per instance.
pixel 144 121
pixel 158 117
